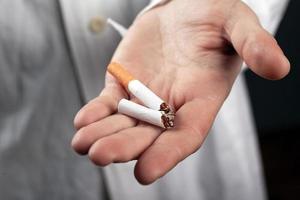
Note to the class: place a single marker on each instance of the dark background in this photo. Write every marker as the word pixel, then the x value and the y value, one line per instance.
pixel 276 106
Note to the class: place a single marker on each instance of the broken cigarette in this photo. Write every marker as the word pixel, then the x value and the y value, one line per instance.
pixel 143 93
pixel 158 118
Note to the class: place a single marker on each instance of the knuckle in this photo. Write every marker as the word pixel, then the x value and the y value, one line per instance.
pixel 84 115
pixel 77 121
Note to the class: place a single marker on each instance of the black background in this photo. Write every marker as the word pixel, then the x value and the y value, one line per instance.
pixel 276 107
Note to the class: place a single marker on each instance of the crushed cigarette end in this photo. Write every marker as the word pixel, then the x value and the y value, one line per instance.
pixel 168 116
pixel 168 120
pixel 156 112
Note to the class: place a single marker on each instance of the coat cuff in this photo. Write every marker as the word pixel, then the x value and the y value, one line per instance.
pixel 153 4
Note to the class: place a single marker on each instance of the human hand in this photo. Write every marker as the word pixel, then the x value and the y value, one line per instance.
pixel 189 53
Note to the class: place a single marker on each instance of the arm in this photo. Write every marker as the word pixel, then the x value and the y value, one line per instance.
pixel 189 53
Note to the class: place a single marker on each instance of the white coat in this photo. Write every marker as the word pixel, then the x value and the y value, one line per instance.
pixel 49 67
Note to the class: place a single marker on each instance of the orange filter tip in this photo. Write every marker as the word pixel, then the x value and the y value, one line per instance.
pixel 120 73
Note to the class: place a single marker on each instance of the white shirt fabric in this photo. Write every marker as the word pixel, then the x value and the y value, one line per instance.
pixel 228 166
pixel 51 64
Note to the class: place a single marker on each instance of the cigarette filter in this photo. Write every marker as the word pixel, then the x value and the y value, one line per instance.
pixel 138 89
pixel 145 114
pixel 142 92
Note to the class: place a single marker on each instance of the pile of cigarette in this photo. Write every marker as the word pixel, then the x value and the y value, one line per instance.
pixel 155 111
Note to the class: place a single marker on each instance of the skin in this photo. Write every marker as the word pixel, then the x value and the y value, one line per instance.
pixel 189 53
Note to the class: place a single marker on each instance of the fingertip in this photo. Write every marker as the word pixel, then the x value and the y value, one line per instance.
pixel 78 120
pixel 95 110
pixel 78 142
pixel 256 46
pixel 146 173
pixel 155 163
pixel 89 114
pixel 265 58
pixel 283 68
pixel 276 68
pixel 75 143
pixel 99 156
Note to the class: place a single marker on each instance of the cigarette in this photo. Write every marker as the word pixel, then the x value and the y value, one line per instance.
pixel 138 89
pixel 157 118
pixel 142 92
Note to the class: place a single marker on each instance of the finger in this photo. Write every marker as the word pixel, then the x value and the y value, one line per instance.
pixel 255 45
pixel 86 136
pixel 123 146
pixel 192 123
pixel 102 106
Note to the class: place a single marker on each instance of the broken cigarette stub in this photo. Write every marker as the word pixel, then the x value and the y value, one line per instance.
pixel 157 108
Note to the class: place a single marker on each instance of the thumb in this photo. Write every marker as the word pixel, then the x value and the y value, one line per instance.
pixel 255 45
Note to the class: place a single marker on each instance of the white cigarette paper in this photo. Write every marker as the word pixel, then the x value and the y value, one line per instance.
pixel 141 112
pixel 158 112
pixel 145 95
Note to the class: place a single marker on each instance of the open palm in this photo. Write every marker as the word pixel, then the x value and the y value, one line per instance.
pixel 189 53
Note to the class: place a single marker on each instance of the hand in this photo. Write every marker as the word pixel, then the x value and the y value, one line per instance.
pixel 189 53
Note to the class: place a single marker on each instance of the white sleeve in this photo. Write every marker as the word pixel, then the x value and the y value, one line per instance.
pixel 121 29
pixel 152 4
pixel 269 12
